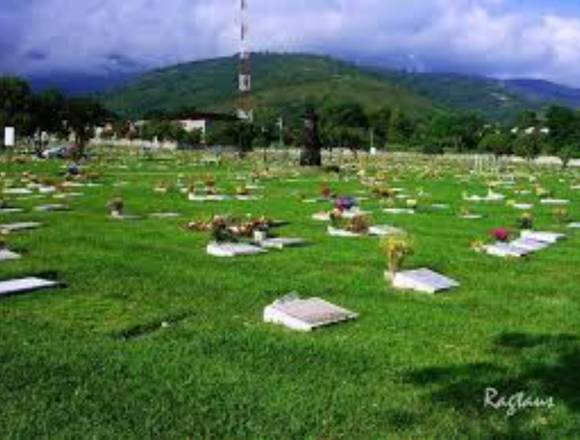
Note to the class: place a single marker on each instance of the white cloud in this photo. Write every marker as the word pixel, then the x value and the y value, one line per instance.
pixel 475 36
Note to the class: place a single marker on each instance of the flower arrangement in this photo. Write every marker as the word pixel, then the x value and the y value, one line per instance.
pixel 116 206
pixel 359 224
pixel 385 193
pixel 396 248
pixel 500 234
pixel 561 215
pixel 526 221
pixel 345 203
pixel 242 190
pixel 326 192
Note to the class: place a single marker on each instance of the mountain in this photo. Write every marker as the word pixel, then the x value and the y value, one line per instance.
pixel 545 92
pixel 281 84
pixel 78 83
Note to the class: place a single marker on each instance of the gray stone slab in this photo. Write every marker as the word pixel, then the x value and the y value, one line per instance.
pixel 281 243
pixel 164 215
pixel 306 314
pixel 24 285
pixel 546 237
pixel 555 202
pixel 52 208
pixel 399 211
pixel 11 211
pixel 17 227
pixel 385 230
pixel 505 250
pixel 17 191
pixel 231 250
pixel 334 232
pixel 423 280
pixel 530 244
pixel 6 255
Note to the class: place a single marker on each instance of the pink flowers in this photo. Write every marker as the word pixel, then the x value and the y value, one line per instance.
pixel 500 234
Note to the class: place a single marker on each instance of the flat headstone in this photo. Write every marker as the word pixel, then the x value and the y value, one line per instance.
pixel 321 217
pixel 16 227
pixel 194 198
pixel 11 210
pixel 246 198
pixel 17 191
pixel 335 232
pixel 52 208
pixel 530 244
pixel 23 285
pixel 574 225
pixel 423 280
pixel 523 206
pixel 46 189
pixel 164 215
pixel 6 255
pixel 385 230
pixel 440 206
pixel 306 314
pixel 505 250
pixel 546 237
pixel 399 211
pixel 555 202
pixel 125 217
pixel 471 216
pixel 230 250
pixel 281 243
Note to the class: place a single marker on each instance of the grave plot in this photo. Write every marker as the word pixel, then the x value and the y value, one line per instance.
pixel 25 285
pixel 347 214
pixel 530 244
pixel 490 197
pixel 523 206
pixel 207 198
pixel 281 243
pixel 555 202
pixel 545 237
pixel 574 226
pixel 305 314
pixel 231 250
pixel 17 192
pixel 52 208
pixel 163 215
pixel 505 250
pixel 18 227
pixel 6 255
pixel 399 211
pixel 422 280
pixel 11 210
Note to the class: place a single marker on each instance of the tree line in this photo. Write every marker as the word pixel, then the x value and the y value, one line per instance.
pixel 340 124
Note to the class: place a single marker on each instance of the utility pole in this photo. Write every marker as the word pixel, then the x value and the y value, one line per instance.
pixel 245 112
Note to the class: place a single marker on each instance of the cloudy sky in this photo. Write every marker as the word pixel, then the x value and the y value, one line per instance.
pixel 504 38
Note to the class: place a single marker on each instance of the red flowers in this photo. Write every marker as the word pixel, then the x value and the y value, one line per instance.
pixel 500 234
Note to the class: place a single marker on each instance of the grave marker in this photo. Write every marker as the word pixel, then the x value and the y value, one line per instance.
pixel 306 314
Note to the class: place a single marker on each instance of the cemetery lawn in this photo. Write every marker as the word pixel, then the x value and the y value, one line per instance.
pixel 92 360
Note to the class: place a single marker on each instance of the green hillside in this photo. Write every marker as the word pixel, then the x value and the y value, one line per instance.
pixel 281 83
pixel 490 97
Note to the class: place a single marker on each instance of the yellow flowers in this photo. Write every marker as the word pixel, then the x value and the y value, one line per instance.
pixel 396 248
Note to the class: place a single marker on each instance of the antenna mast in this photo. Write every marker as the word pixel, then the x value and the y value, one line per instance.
pixel 245 111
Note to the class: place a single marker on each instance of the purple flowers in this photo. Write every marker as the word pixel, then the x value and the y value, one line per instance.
pixel 344 203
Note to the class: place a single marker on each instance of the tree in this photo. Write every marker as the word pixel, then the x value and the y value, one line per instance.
pixel 497 143
pixel 16 104
pixel 82 116
pixel 49 111
pixel 564 125
pixel 528 146
pixel 311 152
pixel 569 152
pixel 400 128
pixel 527 119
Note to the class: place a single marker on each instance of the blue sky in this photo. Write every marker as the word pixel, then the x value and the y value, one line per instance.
pixel 503 38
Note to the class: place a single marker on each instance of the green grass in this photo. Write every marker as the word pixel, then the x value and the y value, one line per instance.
pixel 412 366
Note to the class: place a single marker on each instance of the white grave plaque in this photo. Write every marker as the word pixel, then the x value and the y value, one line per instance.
pixel 14 287
pixel 306 314
pixel 230 250
pixel 423 280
